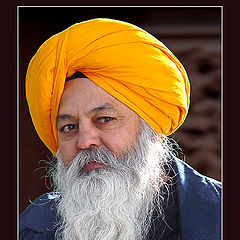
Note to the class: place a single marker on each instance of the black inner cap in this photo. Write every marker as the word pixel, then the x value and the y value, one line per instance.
pixel 76 75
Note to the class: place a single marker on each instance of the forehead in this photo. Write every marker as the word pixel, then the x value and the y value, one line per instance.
pixel 81 94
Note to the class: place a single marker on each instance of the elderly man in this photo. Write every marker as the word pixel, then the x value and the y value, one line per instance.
pixel 103 96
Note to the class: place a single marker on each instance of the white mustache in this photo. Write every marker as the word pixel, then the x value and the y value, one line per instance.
pixel 100 155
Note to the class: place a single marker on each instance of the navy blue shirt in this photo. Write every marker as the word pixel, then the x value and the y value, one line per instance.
pixel 192 210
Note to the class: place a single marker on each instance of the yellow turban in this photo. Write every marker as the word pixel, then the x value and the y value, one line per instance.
pixel 124 60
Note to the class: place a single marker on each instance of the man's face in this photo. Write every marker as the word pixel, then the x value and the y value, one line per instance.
pixel 90 117
pixel 96 131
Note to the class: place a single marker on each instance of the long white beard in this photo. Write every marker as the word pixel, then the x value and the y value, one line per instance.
pixel 116 202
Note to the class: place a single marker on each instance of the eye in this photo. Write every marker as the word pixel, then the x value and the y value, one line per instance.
pixel 104 120
pixel 67 128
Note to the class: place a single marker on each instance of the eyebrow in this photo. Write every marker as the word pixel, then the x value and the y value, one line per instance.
pixel 106 106
pixel 61 117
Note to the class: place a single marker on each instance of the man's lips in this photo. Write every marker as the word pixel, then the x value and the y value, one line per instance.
pixel 92 165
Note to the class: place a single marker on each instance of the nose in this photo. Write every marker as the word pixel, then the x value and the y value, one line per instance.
pixel 88 136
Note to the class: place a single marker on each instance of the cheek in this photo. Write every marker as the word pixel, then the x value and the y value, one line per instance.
pixel 123 138
pixel 119 141
pixel 68 151
pixel 115 145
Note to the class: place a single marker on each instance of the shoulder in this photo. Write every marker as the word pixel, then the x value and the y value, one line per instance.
pixel 39 217
pixel 199 203
pixel 195 188
pixel 192 180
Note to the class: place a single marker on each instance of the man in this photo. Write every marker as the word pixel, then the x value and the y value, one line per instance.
pixel 103 96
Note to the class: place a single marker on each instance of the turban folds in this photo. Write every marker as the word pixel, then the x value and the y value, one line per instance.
pixel 123 59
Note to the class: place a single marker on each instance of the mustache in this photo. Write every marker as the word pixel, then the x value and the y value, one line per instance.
pixel 100 155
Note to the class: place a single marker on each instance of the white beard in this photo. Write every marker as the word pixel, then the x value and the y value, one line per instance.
pixel 116 202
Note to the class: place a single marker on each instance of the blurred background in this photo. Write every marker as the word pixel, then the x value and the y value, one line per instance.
pixel 193 34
